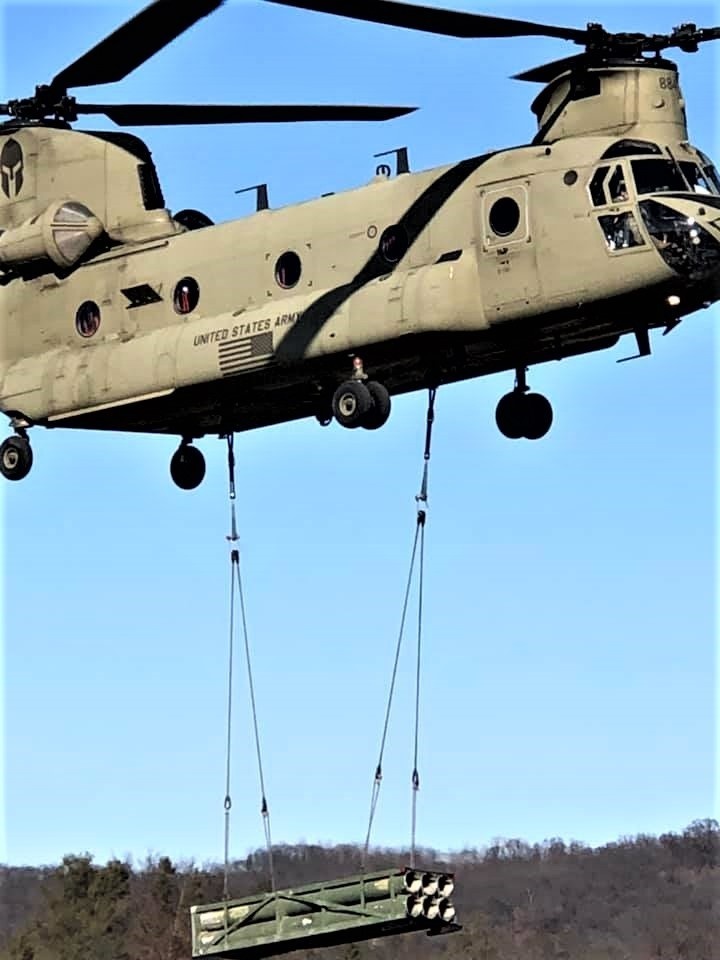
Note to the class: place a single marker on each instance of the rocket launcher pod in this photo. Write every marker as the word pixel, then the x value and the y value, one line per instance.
pixel 363 907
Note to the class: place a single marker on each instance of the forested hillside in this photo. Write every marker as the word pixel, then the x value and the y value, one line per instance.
pixel 641 898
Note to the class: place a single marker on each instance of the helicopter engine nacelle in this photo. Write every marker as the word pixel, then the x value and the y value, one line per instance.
pixel 62 234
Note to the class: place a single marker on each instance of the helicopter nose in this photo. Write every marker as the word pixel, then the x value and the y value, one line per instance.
pixel 686 232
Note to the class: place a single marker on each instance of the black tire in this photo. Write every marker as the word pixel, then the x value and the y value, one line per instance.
pixel 351 403
pixel 16 458
pixel 509 415
pixel 537 416
pixel 187 467
pixel 377 415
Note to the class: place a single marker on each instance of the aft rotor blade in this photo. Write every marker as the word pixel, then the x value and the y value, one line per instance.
pixel 450 23
pixel 134 42
pixel 163 114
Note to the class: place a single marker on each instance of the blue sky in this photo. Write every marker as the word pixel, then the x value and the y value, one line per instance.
pixel 569 673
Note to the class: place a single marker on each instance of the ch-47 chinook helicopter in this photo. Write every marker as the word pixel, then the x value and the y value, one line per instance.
pixel 119 315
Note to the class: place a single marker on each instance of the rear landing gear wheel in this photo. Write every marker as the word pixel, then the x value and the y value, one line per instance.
pixel 351 403
pixel 16 458
pixel 377 415
pixel 187 467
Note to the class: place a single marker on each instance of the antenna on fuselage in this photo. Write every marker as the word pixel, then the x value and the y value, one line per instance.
pixel 261 193
pixel 402 165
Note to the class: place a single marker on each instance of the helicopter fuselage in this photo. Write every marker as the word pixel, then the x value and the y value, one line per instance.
pixel 499 261
pixel 118 315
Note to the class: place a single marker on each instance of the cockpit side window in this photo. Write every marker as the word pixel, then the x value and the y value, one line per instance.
pixel 621 231
pixel 617 186
pixel 597 191
pixel 710 171
pixel 606 187
pixel 713 177
pixel 657 176
pixel 695 177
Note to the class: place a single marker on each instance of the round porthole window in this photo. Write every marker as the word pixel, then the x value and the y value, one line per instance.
pixel 87 319
pixel 288 269
pixel 393 244
pixel 504 216
pixel 186 295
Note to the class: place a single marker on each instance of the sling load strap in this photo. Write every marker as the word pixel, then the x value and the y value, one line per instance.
pixel 421 500
pixel 415 774
pixel 430 420
pixel 236 581
pixel 422 514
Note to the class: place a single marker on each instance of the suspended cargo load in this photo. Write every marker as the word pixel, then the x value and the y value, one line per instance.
pixel 363 907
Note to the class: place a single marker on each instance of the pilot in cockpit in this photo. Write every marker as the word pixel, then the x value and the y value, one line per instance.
pixel 695 178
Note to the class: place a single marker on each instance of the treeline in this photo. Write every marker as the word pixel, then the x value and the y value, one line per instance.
pixel 641 898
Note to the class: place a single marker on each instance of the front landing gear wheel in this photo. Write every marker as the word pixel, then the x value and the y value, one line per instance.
pixel 187 467
pixel 537 416
pixel 351 403
pixel 528 415
pixel 16 458
pixel 509 415
pixel 377 415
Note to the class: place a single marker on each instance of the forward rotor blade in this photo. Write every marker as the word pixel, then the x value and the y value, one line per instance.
pixel 688 36
pixel 163 114
pixel 450 23
pixel 133 43
pixel 548 71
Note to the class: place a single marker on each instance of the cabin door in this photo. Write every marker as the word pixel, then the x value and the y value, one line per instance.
pixel 506 255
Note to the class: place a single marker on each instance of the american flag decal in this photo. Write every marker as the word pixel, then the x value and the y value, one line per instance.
pixel 245 353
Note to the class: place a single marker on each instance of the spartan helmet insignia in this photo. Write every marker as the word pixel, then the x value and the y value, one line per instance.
pixel 12 165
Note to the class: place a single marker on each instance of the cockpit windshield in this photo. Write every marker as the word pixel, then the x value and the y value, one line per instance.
pixel 662 176
pixel 658 176
pixel 686 246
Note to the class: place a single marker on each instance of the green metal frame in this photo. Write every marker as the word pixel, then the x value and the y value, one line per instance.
pixel 361 907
